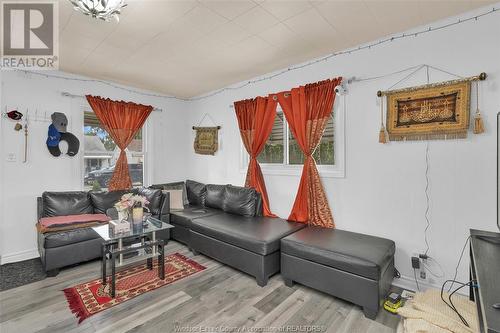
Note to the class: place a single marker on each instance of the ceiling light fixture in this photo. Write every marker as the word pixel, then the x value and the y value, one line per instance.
pixel 101 9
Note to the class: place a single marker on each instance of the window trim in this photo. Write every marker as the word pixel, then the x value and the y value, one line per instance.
pixel 147 165
pixel 326 171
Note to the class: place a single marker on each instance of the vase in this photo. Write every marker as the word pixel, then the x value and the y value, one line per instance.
pixel 137 214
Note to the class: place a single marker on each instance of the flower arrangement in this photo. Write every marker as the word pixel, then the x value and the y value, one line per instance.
pixel 129 202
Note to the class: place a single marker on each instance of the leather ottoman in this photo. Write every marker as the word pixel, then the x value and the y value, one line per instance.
pixel 355 267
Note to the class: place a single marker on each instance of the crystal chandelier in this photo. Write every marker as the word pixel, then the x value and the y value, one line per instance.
pixel 101 9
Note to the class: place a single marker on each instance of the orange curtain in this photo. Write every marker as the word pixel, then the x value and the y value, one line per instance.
pixel 307 110
pixel 255 120
pixel 121 120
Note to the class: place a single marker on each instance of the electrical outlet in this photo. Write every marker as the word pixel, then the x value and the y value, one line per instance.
pixel 423 275
pixel 11 157
pixel 415 262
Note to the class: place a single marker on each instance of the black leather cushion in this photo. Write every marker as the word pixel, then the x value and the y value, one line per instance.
pixel 103 201
pixel 215 196
pixel 154 197
pixel 239 200
pixel 258 204
pixel 260 235
pixel 195 192
pixel 61 238
pixel 174 186
pixel 66 203
pixel 184 217
pixel 348 251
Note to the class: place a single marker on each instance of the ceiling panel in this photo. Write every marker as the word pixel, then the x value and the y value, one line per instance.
pixel 256 20
pixel 229 33
pixel 189 47
pixel 285 9
pixel 312 27
pixel 229 9
pixel 351 19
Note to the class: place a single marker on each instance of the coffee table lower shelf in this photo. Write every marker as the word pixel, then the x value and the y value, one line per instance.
pixel 113 250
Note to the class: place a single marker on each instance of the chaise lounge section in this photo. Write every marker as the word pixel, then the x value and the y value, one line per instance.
pixel 225 222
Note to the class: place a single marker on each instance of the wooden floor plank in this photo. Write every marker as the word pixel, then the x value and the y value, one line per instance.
pixel 218 296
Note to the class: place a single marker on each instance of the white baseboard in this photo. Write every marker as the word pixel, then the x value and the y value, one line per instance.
pixel 19 256
pixel 408 283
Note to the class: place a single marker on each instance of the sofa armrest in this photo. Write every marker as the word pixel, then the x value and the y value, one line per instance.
pixel 165 208
pixel 39 208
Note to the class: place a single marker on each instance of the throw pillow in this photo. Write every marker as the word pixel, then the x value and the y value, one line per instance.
pixel 176 202
pixel 174 186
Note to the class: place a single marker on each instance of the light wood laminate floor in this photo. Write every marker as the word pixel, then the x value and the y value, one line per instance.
pixel 214 300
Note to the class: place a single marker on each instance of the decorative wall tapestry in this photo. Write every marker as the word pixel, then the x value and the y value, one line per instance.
pixel 206 141
pixel 430 112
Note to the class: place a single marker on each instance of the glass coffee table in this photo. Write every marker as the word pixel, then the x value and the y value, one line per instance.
pixel 140 243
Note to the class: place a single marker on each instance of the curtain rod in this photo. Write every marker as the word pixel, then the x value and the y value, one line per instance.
pixel 67 94
pixel 274 98
pixel 480 77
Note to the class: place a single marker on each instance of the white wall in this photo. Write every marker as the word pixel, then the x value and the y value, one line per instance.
pixel 383 191
pixel 22 182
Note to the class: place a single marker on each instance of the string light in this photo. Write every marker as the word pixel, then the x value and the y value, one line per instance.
pixel 279 73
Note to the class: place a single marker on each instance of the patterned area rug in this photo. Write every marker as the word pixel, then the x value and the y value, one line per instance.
pixel 89 298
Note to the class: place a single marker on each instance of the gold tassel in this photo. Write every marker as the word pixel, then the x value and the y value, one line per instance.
pixel 382 135
pixel 478 123
pixel 478 120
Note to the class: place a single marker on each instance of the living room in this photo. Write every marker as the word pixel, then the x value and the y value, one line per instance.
pixel 405 198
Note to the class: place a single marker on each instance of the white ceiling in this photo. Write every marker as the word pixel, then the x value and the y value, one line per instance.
pixel 186 48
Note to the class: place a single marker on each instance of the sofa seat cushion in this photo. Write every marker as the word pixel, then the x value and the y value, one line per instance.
pixel 56 239
pixel 352 252
pixel 185 216
pixel 260 235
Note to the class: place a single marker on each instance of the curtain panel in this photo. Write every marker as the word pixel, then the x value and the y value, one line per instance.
pixel 307 110
pixel 255 120
pixel 122 120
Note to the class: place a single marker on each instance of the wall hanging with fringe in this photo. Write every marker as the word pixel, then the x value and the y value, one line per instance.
pixel 430 112
pixel 206 141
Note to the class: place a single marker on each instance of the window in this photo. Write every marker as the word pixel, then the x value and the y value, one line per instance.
pixel 101 153
pixel 282 155
pixel 324 153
